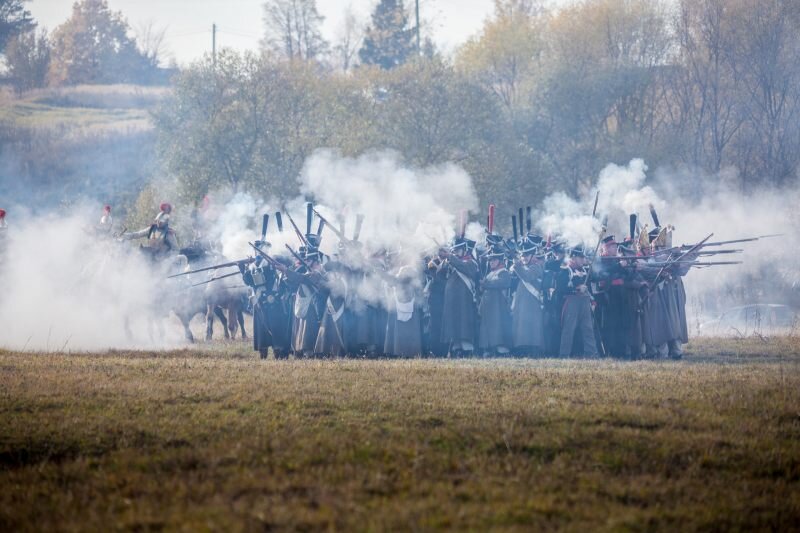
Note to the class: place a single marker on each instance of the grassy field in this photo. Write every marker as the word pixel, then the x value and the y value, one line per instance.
pixel 85 109
pixel 216 439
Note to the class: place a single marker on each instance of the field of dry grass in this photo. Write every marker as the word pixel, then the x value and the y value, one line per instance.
pixel 216 439
pixel 84 109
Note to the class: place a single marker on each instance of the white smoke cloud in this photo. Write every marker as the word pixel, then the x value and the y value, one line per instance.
pixel 65 289
pixel 403 208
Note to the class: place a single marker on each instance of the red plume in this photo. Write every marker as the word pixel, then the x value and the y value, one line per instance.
pixel 491 218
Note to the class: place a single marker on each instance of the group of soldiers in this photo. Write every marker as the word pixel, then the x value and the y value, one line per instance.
pixel 525 295
pixel 521 296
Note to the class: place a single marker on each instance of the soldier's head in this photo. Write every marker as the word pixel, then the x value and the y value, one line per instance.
pixel 2 218
pixel 496 259
pixel 493 240
pixel 609 247
pixel 165 207
pixel 107 209
pixel 459 248
pixel 577 256
pixel 527 250
pixel 313 258
pixel 558 251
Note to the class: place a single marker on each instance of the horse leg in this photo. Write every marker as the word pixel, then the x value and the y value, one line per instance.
pixel 221 315
pixel 240 318
pixel 209 322
pixel 187 332
pixel 233 325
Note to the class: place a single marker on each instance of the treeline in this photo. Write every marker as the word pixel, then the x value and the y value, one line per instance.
pixel 94 46
pixel 539 101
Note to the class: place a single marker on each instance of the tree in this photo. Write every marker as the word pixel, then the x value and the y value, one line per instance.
pixel 28 59
pixel 14 19
pixel 93 46
pixel 388 42
pixel 765 56
pixel 150 40
pixel 245 123
pixel 293 29
pixel 348 41
pixel 504 57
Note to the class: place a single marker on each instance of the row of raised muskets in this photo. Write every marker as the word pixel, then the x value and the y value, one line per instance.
pixel 526 295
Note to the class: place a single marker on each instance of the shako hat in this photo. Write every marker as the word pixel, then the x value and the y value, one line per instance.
pixel 495 253
pixel 527 247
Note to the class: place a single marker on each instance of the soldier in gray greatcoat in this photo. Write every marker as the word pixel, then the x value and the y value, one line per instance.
pixel 495 327
pixel 459 315
pixel 577 322
pixel 526 307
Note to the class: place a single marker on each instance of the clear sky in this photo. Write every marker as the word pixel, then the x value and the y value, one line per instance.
pixel 188 22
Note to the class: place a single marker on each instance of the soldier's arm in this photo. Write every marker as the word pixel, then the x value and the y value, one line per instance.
pixel 529 273
pixel 502 282
pixel 468 268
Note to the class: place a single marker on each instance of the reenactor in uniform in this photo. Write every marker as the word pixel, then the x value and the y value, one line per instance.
pixel 161 238
pixel 527 313
pixel 310 299
pixel 495 319
pixel 332 338
pixel 553 299
pixel 106 224
pixel 404 334
pixel 459 315
pixel 577 323
pixel 436 273
pixel 271 328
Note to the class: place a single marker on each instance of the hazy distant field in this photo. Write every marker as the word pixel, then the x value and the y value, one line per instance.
pixel 85 108
pixel 217 439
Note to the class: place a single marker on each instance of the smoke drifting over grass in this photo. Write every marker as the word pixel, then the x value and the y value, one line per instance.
pixel 63 290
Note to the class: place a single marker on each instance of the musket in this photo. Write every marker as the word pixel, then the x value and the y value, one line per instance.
pixel 645 258
pixel 693 263
pixel 297 230
pixel 300 259
pixel 271 260
pixel 216 278
pixel 596 199
pixel 680 257
pixel 734 241
pixel 214 267
pixel 359 223
pixel 336 231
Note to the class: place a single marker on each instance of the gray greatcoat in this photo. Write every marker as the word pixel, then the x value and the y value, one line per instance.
pixel 526 308
pixel 495 311
pixel 459 315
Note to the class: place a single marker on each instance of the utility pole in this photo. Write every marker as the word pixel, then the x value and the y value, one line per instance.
pixel 214 43
pixel 419 44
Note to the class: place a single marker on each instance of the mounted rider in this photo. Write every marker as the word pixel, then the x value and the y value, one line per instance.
pixel 162 240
